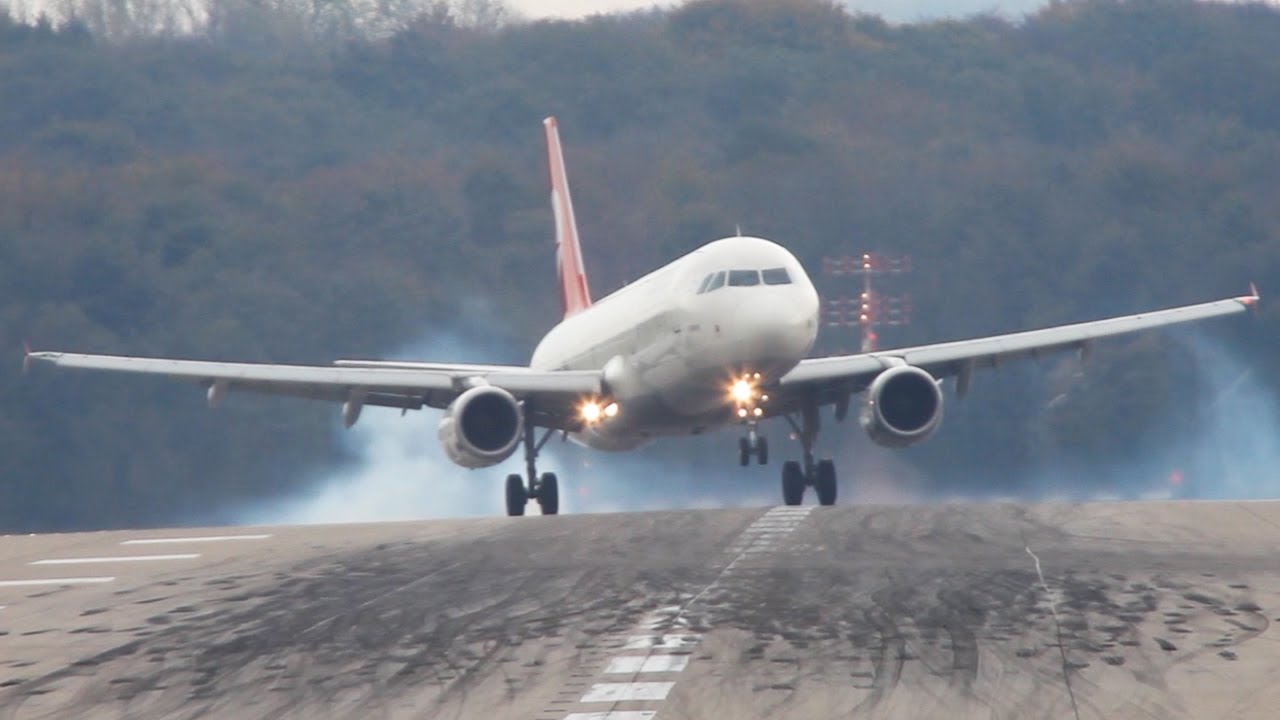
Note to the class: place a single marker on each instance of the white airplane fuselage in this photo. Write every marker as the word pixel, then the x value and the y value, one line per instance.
pixel 670 352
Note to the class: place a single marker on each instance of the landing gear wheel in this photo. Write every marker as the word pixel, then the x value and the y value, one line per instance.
pixel 549 494
pixel 744 452
pixel 762 450
pixel 517 496
pixel 824 482
pixel 792 483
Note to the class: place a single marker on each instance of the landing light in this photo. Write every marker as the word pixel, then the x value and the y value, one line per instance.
pixel 742 412
pixel 742 391
pixel 592 411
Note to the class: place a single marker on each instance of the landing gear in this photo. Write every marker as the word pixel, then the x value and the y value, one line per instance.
pixel 824 482
pixel 820 474
pixel 544 489
pixel 549 494
pixel 792 483
pixel 517 496
pixel 753 444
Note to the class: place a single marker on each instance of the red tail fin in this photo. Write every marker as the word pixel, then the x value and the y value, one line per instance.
pixel 574 295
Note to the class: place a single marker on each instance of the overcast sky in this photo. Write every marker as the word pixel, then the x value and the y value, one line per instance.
pixel 895 10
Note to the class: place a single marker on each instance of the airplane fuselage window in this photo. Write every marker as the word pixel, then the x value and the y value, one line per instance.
pixel 744 278
pixel 776 276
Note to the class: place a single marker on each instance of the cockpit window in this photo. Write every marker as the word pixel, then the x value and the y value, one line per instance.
pixel 705 282
pixel 716 282
pixel 744 278
pixel 775 276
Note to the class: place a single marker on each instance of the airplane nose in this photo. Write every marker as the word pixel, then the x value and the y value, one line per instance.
pixel 781 328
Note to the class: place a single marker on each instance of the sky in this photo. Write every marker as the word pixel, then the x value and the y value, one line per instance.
pixel 893 10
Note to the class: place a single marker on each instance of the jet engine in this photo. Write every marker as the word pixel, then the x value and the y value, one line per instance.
pixel 903 406
pixel 482 427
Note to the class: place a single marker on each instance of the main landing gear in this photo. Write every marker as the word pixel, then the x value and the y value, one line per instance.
pixel 544 489
pixel 820 474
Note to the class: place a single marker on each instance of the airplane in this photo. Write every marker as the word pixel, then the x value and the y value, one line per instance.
pixel 718 337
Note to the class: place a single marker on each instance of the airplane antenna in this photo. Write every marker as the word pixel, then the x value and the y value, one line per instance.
pixel 737 229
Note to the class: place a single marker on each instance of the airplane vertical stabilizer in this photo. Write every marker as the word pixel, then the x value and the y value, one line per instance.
pixel 574 295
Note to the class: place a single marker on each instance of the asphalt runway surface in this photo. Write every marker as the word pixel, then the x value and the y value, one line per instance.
pixel 1141 610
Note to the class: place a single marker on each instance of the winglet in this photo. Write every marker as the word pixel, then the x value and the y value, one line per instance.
pixel 574 295
pixel 1250 300
pixel 26 357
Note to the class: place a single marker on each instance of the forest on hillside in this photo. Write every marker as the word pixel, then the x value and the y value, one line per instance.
pixel 302 180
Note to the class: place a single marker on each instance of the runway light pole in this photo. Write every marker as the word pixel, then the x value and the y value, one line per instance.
pixel 870 309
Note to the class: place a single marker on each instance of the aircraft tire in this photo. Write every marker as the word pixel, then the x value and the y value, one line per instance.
pixel 549 494
pixel 792 483
pixel 517 496
pixel 762 450
pixel 744 452
pixel 824 482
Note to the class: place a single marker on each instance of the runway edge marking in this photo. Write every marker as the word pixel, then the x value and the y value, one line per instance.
pixel 115 559
pixel 57 581
pixel 195 539
pixel 613 715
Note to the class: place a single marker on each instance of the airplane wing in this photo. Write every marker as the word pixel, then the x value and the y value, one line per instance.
pixel 550 396
pixel 832 380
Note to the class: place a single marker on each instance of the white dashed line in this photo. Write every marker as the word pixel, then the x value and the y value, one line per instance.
pixel 632 664
pixel 56 581
pixel 205 538
pixel 622 692
pixel 660 642
pixel 613 715
pixel 762 536
pixel 116 559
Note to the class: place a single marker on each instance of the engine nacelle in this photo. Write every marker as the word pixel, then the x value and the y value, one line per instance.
pixel 482 427
pixel 903 406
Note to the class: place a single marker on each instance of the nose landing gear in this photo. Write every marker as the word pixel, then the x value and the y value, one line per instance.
pixel 753 444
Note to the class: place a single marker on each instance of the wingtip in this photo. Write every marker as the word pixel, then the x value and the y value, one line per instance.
pixel 26 356
pixel 1252 298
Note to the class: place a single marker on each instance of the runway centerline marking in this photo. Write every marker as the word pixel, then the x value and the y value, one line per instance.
pixel 624 691
pixel 195 539
pixel 660 642
pixel 56 581
pixel 632 664
pixel 115 559
pixel 765 535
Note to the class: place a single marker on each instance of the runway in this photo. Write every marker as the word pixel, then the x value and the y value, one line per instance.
pixel 1109 610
